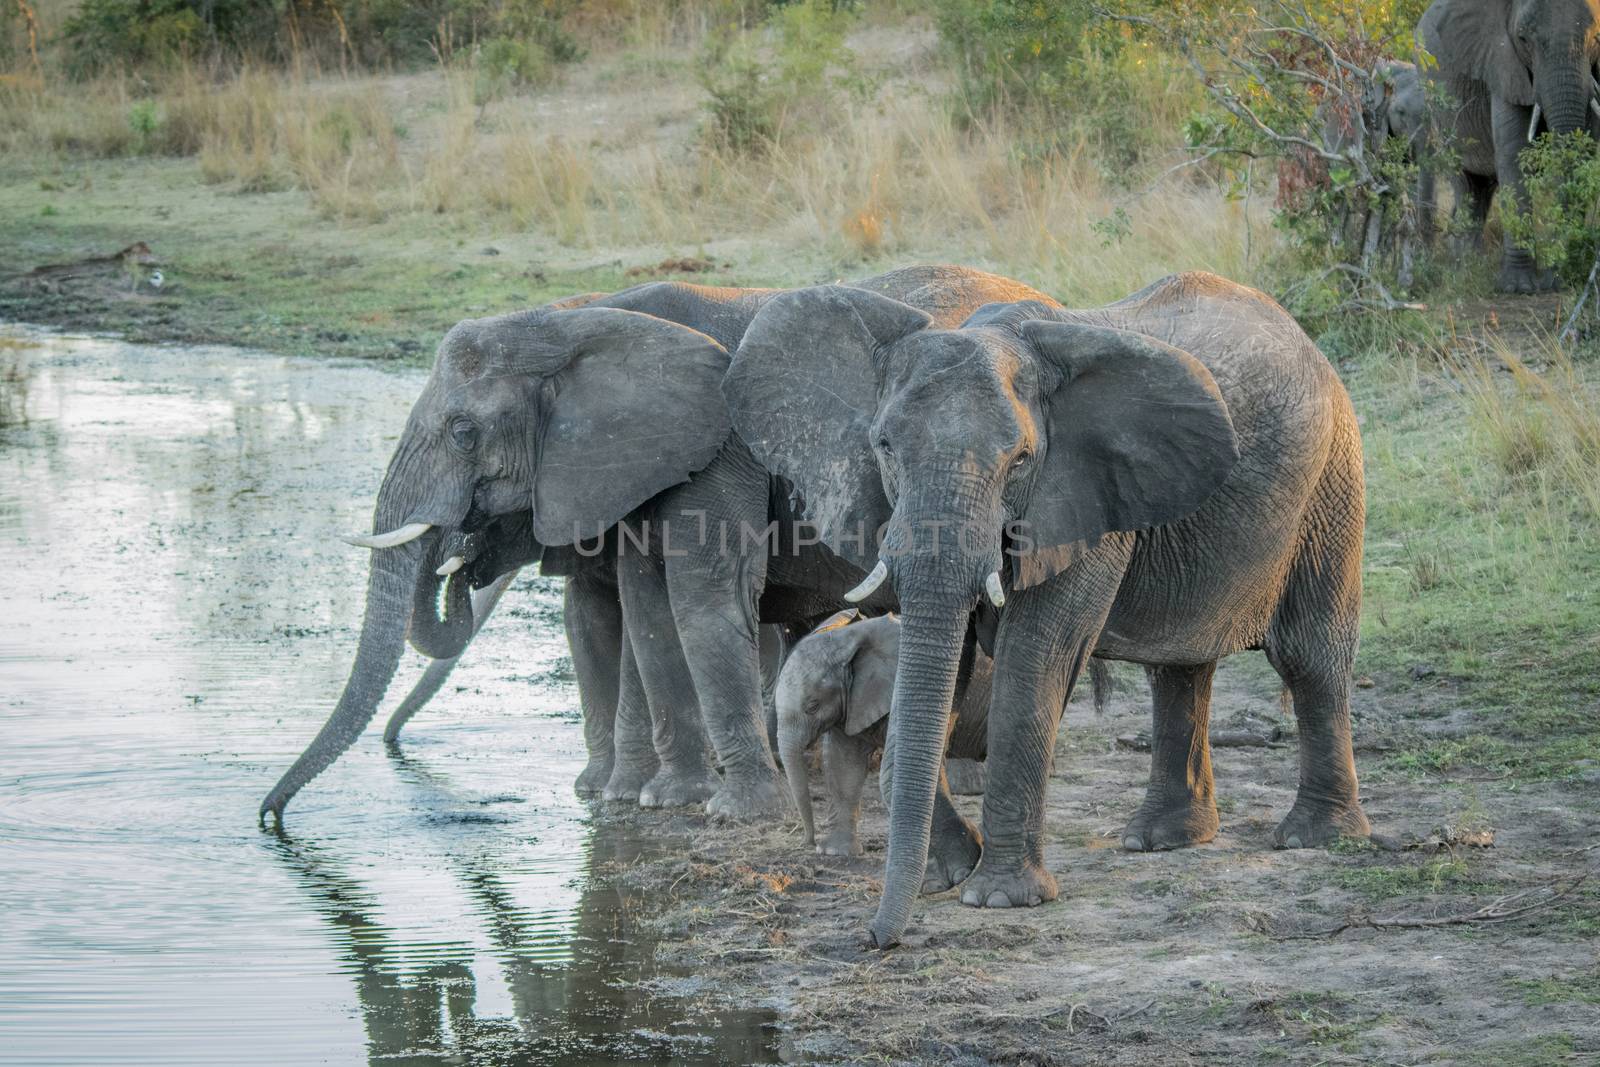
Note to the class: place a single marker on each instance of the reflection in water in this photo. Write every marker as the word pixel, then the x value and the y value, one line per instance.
pixel 176 620
pixel 572 999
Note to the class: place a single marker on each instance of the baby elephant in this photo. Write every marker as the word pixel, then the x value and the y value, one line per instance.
pixel 837 684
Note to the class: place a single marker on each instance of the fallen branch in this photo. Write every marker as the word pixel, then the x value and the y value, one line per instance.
pixel 1500 910
pixel 1569 331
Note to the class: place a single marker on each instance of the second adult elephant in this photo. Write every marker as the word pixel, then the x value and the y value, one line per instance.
pixel 577 419
pixel 1166 480
pixel 1512 69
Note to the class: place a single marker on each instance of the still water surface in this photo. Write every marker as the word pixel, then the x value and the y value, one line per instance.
pixel 176 619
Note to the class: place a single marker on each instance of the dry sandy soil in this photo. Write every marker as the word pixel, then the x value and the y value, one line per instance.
pixel 1223 953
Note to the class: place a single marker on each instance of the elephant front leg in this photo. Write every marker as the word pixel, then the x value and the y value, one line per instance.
pixel 635 761
pixel 1046 635
pixel 684 776
pixel 1180 806
pixel 714 590
pixel 1519 273
pixel 844 768
pixel 593 617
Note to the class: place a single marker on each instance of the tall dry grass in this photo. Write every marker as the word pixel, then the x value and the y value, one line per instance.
pixel 1540 427
pixel 897 174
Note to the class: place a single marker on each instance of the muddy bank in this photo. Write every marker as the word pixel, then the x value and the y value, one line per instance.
pixel 1214 954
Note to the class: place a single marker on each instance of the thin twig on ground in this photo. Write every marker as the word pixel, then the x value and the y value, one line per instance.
pixel 1499 910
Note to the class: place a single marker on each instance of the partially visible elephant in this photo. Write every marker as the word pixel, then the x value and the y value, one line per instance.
pixel 836 685
pixel 1513 68
pixel 1165 480
pixel 572 420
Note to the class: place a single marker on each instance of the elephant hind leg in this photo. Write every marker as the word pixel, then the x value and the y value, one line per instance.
pixel 1180 806
pixel 1311 643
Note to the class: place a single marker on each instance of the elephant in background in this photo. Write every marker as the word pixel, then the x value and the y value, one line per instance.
pixel 1513 68
pixel 559 424
pixel 1166 480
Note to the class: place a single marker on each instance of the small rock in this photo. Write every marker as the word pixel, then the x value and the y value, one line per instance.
pixel 1420 671
pixel 1365 682
pixel 491 250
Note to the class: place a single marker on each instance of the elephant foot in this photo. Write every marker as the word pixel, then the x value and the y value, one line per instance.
pixel 1161 824
pixel 1521 277
pixel 841 841
pixel 953 852
pixel 966 777
pixel 592 780
pixel 626 780
pixel 748 797
pixel 677 788
pixel 1314 824
pixel 1024 886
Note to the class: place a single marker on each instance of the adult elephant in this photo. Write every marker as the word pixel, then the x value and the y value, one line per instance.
pixel 1168 479
pixel 570 420
pixel 1513 68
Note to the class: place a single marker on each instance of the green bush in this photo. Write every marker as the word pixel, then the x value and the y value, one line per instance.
pixel 1562 224
pixel 755 80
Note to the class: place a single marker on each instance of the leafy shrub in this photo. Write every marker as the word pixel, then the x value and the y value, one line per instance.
pixel 1562 223
pixel 755 80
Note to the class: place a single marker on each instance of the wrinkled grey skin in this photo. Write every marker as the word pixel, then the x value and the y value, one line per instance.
pixel 1497 59
pixel 836 685
pixel 1167 480
pixel 578 418
pixel 1394 106
pixel 717 593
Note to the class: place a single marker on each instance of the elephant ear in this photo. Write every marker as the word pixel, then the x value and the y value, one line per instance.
pixel 1137 435
pixel 1472 39
pixel 868 676
pixel 802 391
pixel 628 405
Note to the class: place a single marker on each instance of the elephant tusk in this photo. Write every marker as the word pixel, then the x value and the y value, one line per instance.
pixel 1594 105
pixel 450 566
pixel 1533 123
pixel 393 539
pixel 991 585
pixel 867 587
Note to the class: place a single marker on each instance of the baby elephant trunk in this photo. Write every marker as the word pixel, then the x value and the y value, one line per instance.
pixel 793 738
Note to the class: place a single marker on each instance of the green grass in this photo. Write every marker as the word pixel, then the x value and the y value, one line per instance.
pixel 1579 989
pixel 1446 874
pixel 1480 583
pixel 264 270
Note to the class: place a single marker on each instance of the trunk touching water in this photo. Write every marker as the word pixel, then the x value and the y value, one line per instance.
pixel 393 575
pixel 792 742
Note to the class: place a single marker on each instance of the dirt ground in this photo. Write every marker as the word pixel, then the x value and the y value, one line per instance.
pixel 1222 953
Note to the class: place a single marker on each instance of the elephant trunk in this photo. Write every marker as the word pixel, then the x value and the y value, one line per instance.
pixel 1564 87
pixel 393 573
pixel 925 682
pixel 483 603
pixel 793 739
pixel 441 626
pixel 937 583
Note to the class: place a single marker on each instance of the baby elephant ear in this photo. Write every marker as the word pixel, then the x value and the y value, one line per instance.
pixel 629 407
pixel 802 392
pixel 1138 435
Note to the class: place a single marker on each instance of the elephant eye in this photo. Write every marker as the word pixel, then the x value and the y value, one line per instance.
pixel 464 434
pixel 883 446
pixel 1022 458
